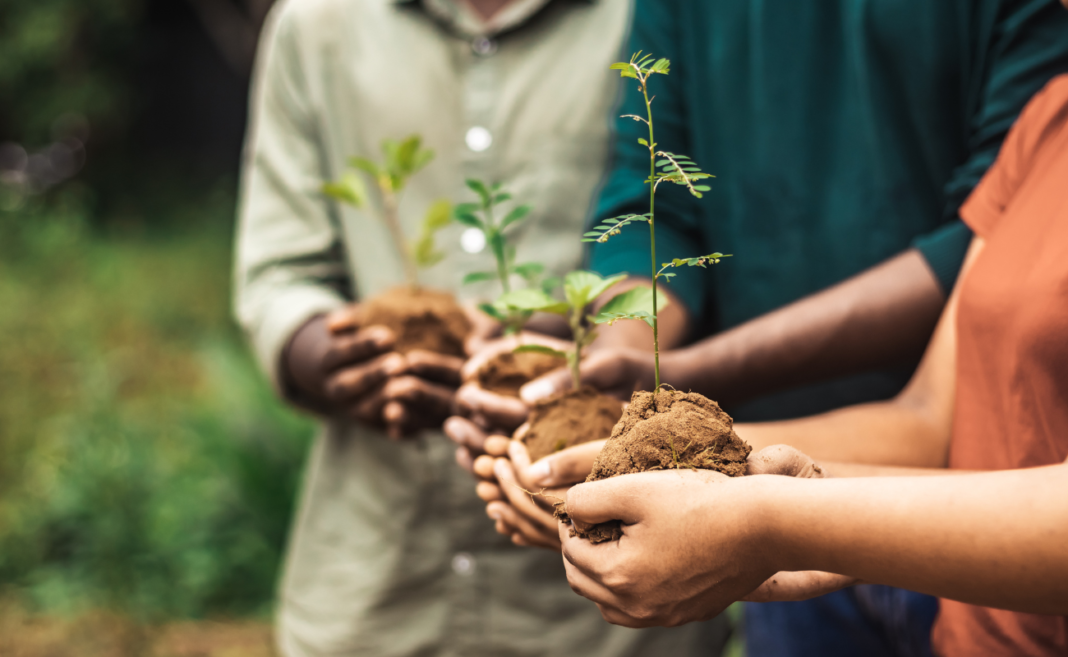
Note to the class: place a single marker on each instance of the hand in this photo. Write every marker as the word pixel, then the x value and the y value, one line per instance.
pixel 473 442
pixel 691 546
pixel 423 396
pixel 335 363
pixel 487 409
pixel 614 371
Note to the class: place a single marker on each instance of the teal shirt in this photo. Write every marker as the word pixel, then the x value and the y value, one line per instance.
pixel 840 133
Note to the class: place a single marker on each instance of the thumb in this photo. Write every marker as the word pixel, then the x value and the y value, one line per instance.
pixel 566 467
pixel 616 498
pixel 546 385
pixel 785 461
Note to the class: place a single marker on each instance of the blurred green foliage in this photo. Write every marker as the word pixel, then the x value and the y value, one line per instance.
pixel 62 57
pixel 145 466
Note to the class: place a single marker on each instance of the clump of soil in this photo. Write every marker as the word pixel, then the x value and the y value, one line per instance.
pixel 664 431
pixel 570 418
pixel 420 319
pixel 507 372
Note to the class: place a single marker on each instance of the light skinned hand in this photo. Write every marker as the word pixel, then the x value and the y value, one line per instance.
pixel 615 371
pixel 488 409
pixel 472 442
pixel 691 545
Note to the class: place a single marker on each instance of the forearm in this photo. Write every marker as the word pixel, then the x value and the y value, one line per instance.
pixel 882 316
pixel 992 539
pixel 890 433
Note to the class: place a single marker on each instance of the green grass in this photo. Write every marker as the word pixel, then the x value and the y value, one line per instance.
pixel 145 466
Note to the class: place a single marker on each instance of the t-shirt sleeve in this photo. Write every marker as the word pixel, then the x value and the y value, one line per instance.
pixel 995 191
pixel 678 217
pixel 1020 45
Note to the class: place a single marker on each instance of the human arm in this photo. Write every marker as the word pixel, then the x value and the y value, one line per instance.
pixel 937 535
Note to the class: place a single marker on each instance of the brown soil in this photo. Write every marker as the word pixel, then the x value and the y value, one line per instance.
pixel 421 319
pixel 570 418
pixel 506 373
pixel 665 431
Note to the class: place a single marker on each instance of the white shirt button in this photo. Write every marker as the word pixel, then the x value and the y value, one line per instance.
pixel 478 139
pixel 483 46
pixel 472 240
pixel 463 564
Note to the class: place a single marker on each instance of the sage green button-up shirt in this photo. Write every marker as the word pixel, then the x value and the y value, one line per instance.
pixel 391 553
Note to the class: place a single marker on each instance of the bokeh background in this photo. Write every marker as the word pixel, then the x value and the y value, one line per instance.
pixel 147 474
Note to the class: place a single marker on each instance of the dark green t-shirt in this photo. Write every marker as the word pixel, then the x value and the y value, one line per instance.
pixel 840 133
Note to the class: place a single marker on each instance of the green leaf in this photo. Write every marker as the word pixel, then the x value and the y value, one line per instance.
pixel 643 142
pixel 479 187
pixel 529 270
pixel 518 214
pixel 533 300
pixel 550 284
pixel 349 189
pixel 501 198
pixel 582 287
pixel 492 311
pixel 635 300
pixel 612 318
pixel 538 349
pixel 365 165
pixel 496 242
pixel 468 220
pixel 662 66
pixel 438 216
pixel 478 276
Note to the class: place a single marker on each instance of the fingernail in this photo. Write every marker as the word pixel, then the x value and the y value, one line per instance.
pixel 536 390
pixel 495 515
pixel 541 472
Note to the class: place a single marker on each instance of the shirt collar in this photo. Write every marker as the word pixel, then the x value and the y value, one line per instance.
pixel 458 16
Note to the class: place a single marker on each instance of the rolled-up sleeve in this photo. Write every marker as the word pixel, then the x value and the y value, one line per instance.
pixel 289 261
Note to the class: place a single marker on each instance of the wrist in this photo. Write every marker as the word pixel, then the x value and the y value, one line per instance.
pixel 772 516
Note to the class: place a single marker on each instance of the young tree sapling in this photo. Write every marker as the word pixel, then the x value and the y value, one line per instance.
pixel 419 318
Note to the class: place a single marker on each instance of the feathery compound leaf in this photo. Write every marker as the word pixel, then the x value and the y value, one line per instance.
pixel 613 226
pixel 612 318
pixel 662 66
pixel 678 169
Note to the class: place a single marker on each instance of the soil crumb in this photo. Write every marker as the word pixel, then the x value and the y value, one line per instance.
pixel 506 373
pixel 421 319
pixel 668 430
pixel 570 418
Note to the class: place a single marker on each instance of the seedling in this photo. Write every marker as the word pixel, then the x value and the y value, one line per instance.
pixel 664 166
pixel 581 288
pixel 468 214
pixel 401 161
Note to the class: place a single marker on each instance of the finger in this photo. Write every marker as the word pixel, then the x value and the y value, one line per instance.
pixel 465 459
pixel 489 492
pixel 490 350
pixel 484 467
pixel 504 412
pixel 785 461
pixel 396 418
pixel 368 409
pixel 465 433
pixel 612 371
pixel 352 382
pixel 345 319
pixel 566 467
pixel 546 385
pixel 616 498
pixel 514 523
pixel 429 401
pixel 497 445
pixel 796 586
pixel 350 349
pixel 577 551
pixel 435 367
pixel 521 499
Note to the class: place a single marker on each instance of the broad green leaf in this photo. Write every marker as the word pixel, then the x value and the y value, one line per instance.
pixel 643 142
pixel 492 311
pixel 550 284
pixel 604 286
pixel 529 270
pixel 468 219
pixel 501 198
pixel 635 300
pixel 477 276
pixel 538 349
pixel 350 189
pixel 533 300
pixel 515 215
pixel 438 216
pixel 365 165
pixel 479 187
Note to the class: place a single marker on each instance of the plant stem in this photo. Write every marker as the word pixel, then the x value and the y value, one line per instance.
pixel 652 231
pixel 502 266
pixel 578 334
pixel 389 208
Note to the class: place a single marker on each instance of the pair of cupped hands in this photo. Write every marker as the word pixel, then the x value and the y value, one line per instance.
pixel 667 569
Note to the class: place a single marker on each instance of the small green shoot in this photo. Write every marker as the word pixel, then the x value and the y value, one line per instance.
pixel 401 161
pixel 664 166
pixel 482 216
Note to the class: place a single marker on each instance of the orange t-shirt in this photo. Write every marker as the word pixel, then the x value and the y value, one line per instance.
pixel 1012 348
